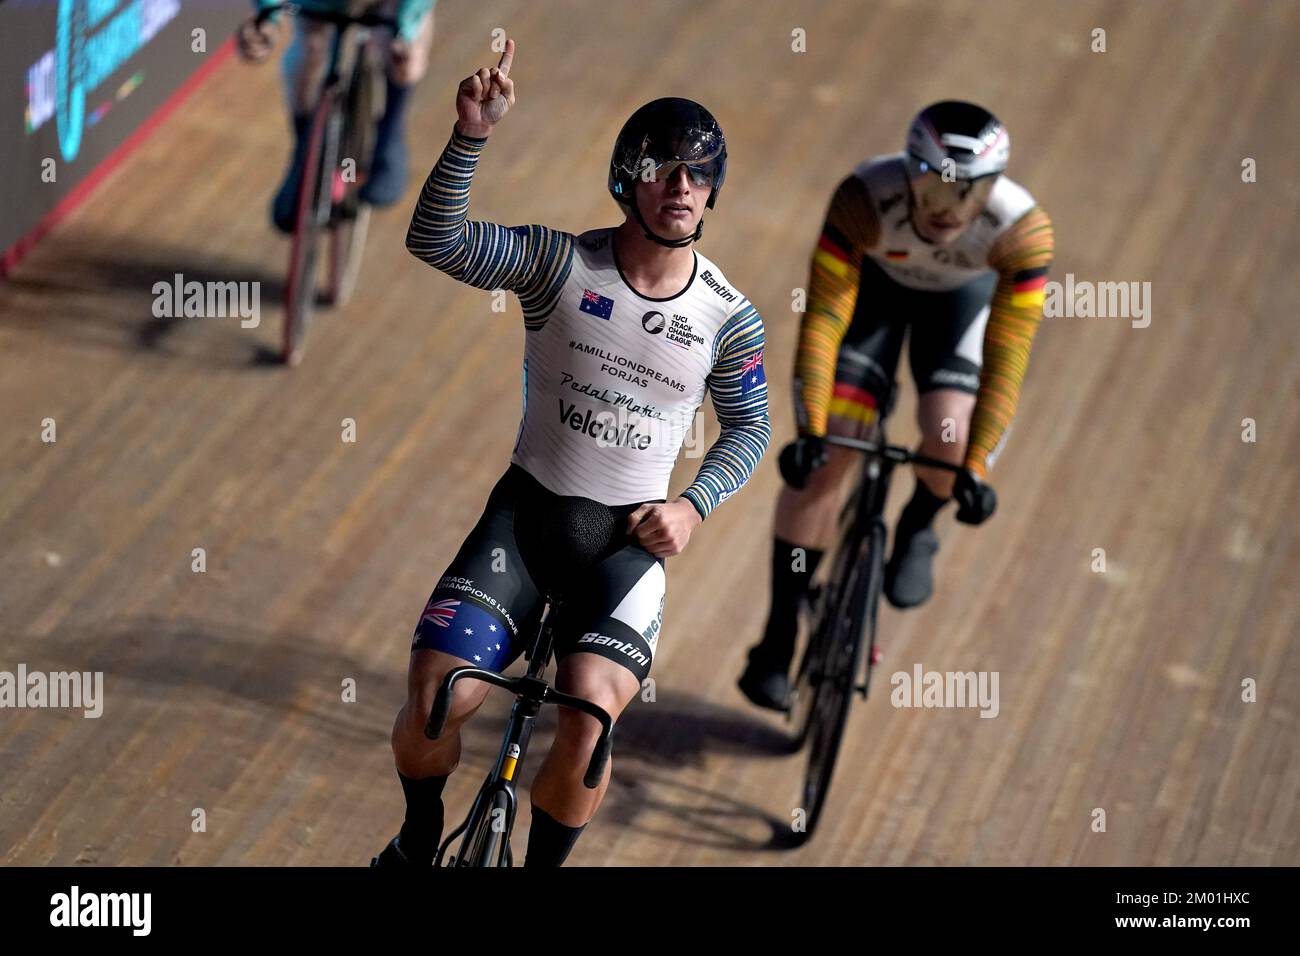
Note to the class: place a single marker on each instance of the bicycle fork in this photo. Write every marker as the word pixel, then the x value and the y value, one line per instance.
pixel 877 538
pixel 498 790
pixel 500 781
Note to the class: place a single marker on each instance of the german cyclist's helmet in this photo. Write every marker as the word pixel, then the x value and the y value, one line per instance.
pixel 965 140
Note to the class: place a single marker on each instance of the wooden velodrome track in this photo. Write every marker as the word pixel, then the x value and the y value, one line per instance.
pixel 1119 690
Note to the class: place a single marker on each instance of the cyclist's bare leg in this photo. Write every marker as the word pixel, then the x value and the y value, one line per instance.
pixel 807 517
pixel 944 418
pixel 558 788
pixel 416 755
pixel 422 764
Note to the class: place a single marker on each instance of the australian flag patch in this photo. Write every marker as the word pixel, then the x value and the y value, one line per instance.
pixel 596 304
pixel 751 374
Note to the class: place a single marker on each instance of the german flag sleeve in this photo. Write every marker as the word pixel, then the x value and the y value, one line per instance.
pixel 1022 256
pixel 850 229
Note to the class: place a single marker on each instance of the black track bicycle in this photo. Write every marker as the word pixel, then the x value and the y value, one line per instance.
pixel 337 159
pixel 840 651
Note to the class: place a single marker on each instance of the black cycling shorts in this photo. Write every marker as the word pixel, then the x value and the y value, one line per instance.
pixel 487 606
pixel 945 351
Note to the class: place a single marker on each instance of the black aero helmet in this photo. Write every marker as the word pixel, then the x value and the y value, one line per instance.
pixel 665 133
pixel 967 138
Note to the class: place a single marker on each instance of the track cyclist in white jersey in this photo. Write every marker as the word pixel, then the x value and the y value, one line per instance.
pixel 626 329
pixel 936 247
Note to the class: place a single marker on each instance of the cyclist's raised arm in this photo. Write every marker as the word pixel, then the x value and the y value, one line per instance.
pixel 529 260
pixel 1022 256
pixel 738 385
pixel 849 230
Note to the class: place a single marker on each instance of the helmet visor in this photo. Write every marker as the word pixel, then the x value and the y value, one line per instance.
pixel 700 174
pixel 934 194
pixel 701 151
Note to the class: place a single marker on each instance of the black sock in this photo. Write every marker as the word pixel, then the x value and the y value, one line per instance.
pixel 422 828
pixel 788 589
pixel 919 512
pixel 549 840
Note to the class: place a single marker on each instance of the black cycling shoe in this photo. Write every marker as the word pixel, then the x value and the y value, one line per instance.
pixel 909 578
pixel 392 856
pixel 765 681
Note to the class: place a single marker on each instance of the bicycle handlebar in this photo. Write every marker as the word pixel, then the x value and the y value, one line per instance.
pixel 895 453
pixel 600 754
pixel 369 18
pixel 441 708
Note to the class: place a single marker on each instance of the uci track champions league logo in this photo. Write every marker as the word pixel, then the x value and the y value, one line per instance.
pixel 93 38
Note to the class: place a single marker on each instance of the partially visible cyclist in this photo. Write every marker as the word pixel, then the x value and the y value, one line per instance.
pixel 937 240
pixel 303 70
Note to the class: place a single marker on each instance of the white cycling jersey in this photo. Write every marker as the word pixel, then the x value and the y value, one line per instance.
pixel 613 379
pixel 911 261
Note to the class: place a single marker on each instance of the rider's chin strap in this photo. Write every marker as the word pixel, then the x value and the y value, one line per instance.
pixel 670 243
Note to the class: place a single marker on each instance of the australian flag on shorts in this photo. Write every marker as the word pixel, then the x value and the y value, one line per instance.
pixel 466 630
pixel 595 304
pixel 751 374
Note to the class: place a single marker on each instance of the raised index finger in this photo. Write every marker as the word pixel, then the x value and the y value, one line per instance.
pixel 507 58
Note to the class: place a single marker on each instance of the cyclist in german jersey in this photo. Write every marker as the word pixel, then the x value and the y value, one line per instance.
pixel 626 329
pixel 936 240
pixel 303 69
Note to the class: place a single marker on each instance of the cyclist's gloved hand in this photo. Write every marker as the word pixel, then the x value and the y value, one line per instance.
pixel 801 458
pixel 976 501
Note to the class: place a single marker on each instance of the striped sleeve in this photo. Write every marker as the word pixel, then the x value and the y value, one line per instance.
pixel 738 384
pixel 1022 257
pixel 532 261
pixel 849 230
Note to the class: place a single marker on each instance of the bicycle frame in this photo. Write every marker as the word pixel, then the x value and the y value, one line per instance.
pixel 868 504
pixel 531 693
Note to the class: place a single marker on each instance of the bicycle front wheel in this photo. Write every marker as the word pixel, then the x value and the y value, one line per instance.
pixel 843 628
pixel 351 216
pixel 347 243
pixel 807 679
pixel 490 843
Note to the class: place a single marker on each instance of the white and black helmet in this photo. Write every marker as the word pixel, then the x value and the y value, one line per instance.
pixel 961 137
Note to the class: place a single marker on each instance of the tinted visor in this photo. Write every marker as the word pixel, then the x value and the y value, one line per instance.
pixel 700 174
pixel 699 150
